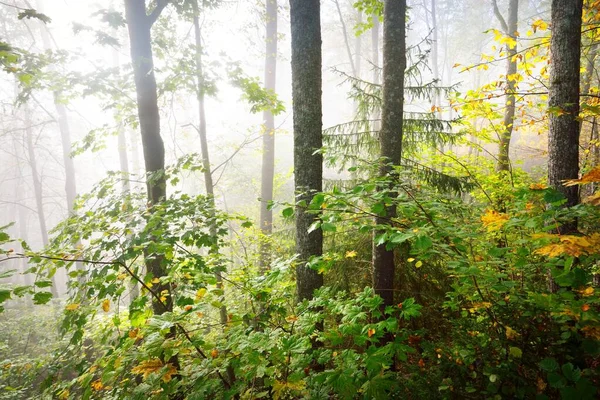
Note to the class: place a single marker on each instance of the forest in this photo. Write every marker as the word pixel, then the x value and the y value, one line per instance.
pixel 299 199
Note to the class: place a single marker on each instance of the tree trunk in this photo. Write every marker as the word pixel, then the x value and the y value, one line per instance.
pixel 346 39
pixel 139 25
pixel 308 140
pixel 38 190
pixel 65 135
pixel 375 60
pixel 208 181
pixel 268 155
pixel 358 46
pixel 394 64
pixel 563 140
pixel 510 28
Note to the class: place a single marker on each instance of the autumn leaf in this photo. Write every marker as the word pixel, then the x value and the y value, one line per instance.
pixel 147 367
pixel 590 177
pixel 593 199
pixel 72 307
pixel 200 294
pixel 168 375
pixel 585 307
pixel 371 332
pixel 493 220
pixel 539 24
pixel 570 245
pixel 538 186
pixel 351 254
pixel 97 385
pixel 214 353
pixel 106 305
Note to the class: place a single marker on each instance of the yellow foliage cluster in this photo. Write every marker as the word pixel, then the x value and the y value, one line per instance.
pixel 569 245
pixel 590 177
pixel 148 367
pixel 493 220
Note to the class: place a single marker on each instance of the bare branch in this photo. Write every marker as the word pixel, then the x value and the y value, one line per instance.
pixel 500 17
pixel 160 6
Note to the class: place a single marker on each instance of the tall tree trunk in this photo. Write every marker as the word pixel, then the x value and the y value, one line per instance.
pixel 65 134
pixel 139 25
pixel 563 140
pixel 268 155
pixel 394 64
pixel 510 28
pixel 358 46
pixel 38 190
pixel 375 60
pixel 346 38
pixel 308 139
pixel 208 181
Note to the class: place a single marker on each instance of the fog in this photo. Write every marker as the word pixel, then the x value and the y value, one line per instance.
pixel 90 76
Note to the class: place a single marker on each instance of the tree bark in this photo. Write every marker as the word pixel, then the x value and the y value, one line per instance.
pixel 510 28
pixel 394 65
pixel 268 147
pixel 308 140
pixel 375 60
pixel 563 141
pixel 38 190
pixel 139 25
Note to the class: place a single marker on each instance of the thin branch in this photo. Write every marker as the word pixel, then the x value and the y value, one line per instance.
pixel 160 6
pixel 500 17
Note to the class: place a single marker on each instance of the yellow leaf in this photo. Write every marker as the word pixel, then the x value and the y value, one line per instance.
pixel 147 367
pixel 538 186
pixel 351 254
pixel 167 376
pixel 511 334
pixel 590 177
pixel 493 220
pixel 106 305
pixel 200 294
pixel 418 264
pixel 539 24
pixel 291 318
pixel 410 260
pixel 97 385
pixel 72 307
pixel 371 332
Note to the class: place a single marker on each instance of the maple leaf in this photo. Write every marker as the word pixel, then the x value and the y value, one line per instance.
pixel 590 177
pixel 493 220
pixel 147 367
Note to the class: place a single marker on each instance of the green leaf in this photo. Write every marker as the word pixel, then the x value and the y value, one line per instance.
pixel 515 352
pixel 287 212
pixel 423 243
pixel 571 373
pixel 4 295
pixel 548 364
pixel 42 297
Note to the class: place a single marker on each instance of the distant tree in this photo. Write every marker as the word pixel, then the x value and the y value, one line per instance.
pixel 394 64
pixel 509 27
pixel 308 140
pixel 268 155
pixel 139 25
pixel 563 140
